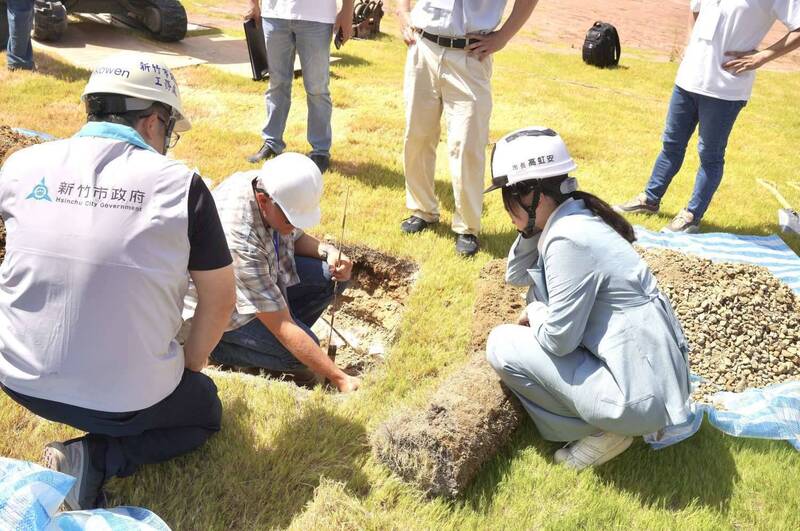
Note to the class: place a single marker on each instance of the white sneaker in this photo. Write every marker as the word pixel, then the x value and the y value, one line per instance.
pixel 593 450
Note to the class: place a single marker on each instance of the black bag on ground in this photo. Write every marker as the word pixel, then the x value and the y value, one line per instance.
pixel 601 46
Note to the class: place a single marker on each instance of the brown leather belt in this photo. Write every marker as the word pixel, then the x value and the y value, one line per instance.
pixel 447 42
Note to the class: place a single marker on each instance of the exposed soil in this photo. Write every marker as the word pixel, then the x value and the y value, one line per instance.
pixel 496 303
pixel 370 310
pixel 657 25
pixel 742 323
pixel 11 141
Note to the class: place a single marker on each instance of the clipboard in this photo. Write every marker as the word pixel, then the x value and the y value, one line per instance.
pixel 256 49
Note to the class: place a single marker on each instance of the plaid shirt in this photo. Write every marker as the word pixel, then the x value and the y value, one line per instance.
pixel 263 260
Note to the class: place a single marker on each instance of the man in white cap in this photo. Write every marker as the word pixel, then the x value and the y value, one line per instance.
pixel 284 277
pixel 102 229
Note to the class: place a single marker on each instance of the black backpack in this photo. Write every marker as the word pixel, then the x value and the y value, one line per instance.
pixel 601 46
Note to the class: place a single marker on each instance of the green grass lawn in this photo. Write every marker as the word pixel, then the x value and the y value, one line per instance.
pixel 288 458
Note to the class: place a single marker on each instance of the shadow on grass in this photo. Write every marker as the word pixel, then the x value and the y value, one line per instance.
pixel 245 478
pixel 480 494
pixel 345 59
pixel 700 470
pixel 50 66
pixel 378 175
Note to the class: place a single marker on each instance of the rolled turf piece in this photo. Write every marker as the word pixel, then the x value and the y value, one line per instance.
pixel 440 448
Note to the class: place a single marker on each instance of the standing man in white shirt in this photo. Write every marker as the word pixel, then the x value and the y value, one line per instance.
pixel 304 27
pixel 449 70
pixel 714 83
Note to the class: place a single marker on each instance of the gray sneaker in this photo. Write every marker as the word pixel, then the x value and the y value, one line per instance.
pixel 638 205
pixel 72 458
pixel 683 222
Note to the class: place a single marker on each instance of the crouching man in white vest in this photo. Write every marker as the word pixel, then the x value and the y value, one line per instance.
pixel 102 229
pixel 284 277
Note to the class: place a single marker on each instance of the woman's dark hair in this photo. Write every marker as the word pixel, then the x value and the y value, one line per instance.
pixel 512 196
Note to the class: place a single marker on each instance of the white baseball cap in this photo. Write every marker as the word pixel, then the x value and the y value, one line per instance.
pixel 294 182
pixel 533 152
pixel 139 76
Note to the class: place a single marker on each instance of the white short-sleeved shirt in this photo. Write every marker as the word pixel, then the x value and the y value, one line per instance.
pixel 310 10
pixel 729 26
pixel 456 18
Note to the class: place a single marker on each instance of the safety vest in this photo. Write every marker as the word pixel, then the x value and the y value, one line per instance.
pixel 95 272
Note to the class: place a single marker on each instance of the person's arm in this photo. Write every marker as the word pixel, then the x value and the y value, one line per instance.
pixel 404 13
pixel 495 41
pixel 339 263
pixel 747 61
pixel 344 21
pixel 300 344
pixel 253 10
pixel 216 297
pixel 522 256
pixel 572 285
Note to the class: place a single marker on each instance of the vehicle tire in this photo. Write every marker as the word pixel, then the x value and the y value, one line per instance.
pixel 165 19
pixel 49 21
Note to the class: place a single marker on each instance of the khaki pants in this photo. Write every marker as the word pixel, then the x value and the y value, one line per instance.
pixel 441 79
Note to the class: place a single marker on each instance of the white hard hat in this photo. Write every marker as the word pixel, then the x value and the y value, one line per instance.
pixel 530 153
pixel 139 76
pixel 294 182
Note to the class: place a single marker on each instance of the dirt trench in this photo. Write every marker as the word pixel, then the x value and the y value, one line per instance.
pixel 369 312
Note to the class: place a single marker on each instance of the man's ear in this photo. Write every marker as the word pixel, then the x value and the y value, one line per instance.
pixel 263 200
pixel 152 124
pixel 147 127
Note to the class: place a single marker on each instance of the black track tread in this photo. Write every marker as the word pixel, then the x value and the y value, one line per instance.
pixel 173 20
pixel 3 26
pixel 49 31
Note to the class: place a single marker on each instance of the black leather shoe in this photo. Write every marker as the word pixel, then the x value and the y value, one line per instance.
pixel 265 153
pixel 467 244
pixel 322 162
pixel 413 224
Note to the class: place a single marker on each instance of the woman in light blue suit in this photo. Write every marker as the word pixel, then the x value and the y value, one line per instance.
pixel 598 356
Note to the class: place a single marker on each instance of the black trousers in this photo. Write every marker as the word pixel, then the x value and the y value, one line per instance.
pixel 120 442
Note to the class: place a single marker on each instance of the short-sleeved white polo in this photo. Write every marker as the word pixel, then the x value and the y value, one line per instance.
pixel 729 26
pixel 310 10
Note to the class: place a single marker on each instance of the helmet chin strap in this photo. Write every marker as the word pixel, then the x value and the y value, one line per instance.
pixel 530 228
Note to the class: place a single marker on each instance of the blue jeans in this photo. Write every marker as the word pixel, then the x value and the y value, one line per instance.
pixel 716 118
pixel 120 442
pixel 311 41
pixel 20 23
pixel 253 345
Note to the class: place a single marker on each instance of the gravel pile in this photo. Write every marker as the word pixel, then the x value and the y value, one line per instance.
pixel 742 322
pixel 11 141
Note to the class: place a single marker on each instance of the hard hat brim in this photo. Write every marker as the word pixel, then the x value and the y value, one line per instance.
pixel 303 221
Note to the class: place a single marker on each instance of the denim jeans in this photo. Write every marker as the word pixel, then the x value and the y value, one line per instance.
pixel 716 118
pixel 253 345
pixel 311 41
pixel 120 442
pixel 20 23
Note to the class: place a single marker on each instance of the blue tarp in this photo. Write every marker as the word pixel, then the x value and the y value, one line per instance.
pixel 30 496
pixel 769 413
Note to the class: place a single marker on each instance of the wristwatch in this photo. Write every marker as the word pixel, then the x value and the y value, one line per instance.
pixel 323 254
